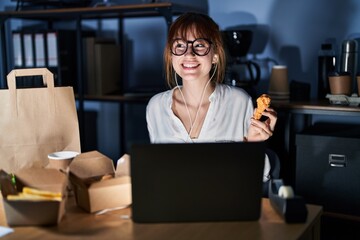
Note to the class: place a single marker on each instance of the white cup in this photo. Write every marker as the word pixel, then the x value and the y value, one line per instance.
pixel 61 160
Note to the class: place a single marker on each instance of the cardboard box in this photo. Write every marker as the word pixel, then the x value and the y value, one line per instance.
pixel 97 186
pixel 27 212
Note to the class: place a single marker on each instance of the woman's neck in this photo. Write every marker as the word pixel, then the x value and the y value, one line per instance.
pixel 190 105
pixel 196 91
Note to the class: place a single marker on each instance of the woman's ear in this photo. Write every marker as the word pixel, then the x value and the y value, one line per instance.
pixel 215 59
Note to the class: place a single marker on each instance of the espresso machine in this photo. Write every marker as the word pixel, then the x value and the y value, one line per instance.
pixel 240 71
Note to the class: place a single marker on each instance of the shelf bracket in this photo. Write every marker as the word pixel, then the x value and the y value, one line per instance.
pixel 167 14
pixel 3 66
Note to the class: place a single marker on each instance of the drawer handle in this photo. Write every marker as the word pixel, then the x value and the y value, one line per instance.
pixel 337 160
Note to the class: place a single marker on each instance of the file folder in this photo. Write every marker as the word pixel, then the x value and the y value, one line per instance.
pixel 52 51
pixel 28 50
pixel 17 49
pixel 40 50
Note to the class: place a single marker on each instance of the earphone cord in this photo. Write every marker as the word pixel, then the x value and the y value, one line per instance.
pixel 201 100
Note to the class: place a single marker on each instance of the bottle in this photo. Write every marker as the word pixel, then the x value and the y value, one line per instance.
pixel 326 65
pixel 349 60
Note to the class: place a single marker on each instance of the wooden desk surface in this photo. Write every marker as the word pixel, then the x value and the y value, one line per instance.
pixel 78 224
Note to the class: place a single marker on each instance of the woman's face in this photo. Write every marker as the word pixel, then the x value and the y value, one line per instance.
pixel 191 67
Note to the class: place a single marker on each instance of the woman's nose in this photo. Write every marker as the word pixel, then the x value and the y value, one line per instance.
pixel 190 50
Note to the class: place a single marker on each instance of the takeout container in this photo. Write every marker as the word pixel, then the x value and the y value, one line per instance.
pixel 97 185
pixel 28 212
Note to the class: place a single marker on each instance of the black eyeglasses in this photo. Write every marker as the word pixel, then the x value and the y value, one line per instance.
pixel 200 46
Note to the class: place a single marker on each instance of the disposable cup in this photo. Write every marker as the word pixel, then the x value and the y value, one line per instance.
pixel 278 82
pixel 61 160
pixel 340 84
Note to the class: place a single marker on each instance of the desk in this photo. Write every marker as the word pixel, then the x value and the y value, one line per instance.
pixel 294 117
pixel 78 224
pixel 307 110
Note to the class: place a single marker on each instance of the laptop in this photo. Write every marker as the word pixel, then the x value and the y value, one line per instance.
pixel 197 182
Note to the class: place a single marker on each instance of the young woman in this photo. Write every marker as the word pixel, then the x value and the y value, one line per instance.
pixel 198 107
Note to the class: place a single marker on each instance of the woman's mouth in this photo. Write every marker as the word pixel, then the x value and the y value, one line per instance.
pixel 190 65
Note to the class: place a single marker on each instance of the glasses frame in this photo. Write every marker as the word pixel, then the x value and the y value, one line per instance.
pixel 192 46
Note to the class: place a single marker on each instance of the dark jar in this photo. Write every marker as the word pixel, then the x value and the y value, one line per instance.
pixel 326 65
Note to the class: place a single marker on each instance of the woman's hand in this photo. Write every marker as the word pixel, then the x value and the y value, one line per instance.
pixel 261 131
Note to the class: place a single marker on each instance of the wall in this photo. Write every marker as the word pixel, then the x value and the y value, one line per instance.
pixel 296 28
pixel 294 31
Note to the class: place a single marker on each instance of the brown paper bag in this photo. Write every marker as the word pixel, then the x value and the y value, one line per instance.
pixel 36 121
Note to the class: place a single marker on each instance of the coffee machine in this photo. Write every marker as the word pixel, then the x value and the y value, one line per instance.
pixel 240 72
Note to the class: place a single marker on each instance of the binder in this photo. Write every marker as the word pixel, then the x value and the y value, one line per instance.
pixel 89 64
pixel 40 57
pixel 52 49
pixel 28 50
pixel 17 49
pixel 107 68
pixel 67 58
pixel 61 53
pixel 101 65
pixel 24 57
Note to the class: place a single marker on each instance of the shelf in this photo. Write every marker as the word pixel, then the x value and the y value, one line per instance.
pixel 116 11
pixel 317 107
pixel 126 98
pixel 120 12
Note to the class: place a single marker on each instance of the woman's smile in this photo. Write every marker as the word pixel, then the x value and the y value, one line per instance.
pixel 190 66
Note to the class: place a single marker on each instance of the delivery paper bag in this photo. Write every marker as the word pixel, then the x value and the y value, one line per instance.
pixel 36 121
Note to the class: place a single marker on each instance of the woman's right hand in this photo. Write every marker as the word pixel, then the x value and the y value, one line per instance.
pixel 261 131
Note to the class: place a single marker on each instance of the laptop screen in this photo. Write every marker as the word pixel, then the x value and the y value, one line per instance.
pixel 197 182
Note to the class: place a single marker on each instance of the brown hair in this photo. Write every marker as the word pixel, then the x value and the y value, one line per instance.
pixel 202 26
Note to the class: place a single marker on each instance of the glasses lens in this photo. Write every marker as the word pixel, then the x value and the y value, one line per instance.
pixel 201 47
pixel 179 47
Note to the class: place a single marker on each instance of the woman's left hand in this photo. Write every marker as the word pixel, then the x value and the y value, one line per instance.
pixel 261 131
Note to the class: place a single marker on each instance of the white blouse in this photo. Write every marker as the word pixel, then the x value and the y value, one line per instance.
pixel 227 119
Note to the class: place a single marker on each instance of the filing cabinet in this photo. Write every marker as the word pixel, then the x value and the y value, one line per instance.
pixel 328 167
